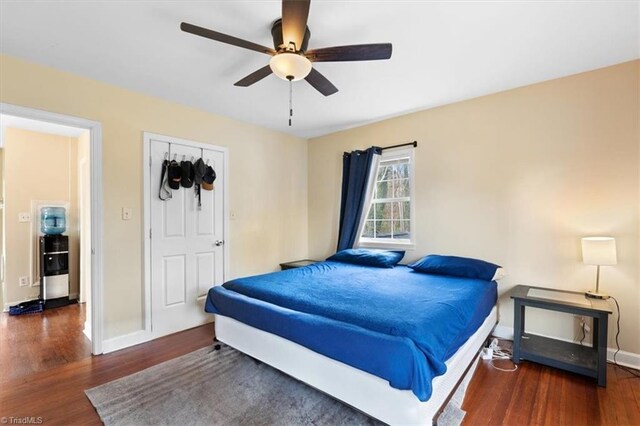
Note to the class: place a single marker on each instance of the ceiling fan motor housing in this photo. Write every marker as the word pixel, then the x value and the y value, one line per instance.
pixel 278 43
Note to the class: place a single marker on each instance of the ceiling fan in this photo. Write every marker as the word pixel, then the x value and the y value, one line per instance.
pixel 290 59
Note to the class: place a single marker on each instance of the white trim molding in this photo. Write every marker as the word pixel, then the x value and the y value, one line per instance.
pixel 381 243
pixel 95 129
pixel 125 341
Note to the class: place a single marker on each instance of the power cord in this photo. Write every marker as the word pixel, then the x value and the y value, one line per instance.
pixel 584 334
pixel 497 352
pixel 631 371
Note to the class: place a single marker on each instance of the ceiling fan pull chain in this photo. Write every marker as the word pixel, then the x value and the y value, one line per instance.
pixel 290 100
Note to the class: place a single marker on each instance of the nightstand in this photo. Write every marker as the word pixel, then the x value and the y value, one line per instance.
pixel 297 264
pixel 585 360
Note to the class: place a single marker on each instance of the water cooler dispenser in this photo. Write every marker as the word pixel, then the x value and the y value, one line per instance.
pixel 54 258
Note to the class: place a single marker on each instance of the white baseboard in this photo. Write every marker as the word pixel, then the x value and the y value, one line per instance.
pixel 628 359
pixel 8 305
pixel 86 330
pixel 121 342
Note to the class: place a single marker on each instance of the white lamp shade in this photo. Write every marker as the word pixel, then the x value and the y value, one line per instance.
pixel 599 251
pixel 290 64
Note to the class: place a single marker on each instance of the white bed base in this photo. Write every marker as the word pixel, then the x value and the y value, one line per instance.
pixel 361 390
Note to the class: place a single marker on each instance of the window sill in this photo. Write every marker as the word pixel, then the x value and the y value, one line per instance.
pixel 387 246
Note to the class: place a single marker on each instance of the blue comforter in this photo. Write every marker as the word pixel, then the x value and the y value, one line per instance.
pixel 395 323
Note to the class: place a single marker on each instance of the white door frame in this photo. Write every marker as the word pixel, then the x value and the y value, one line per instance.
pixel 95 129
pixel 146 227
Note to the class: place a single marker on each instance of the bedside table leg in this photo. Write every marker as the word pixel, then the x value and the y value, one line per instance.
pixel 601 326
pixel 518 329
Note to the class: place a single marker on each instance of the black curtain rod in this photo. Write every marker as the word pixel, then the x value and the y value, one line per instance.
pixel 414 143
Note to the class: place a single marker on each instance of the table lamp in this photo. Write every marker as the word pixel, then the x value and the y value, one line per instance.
pixel 598 251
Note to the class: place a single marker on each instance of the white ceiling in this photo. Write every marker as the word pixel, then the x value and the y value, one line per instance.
pixel 443 52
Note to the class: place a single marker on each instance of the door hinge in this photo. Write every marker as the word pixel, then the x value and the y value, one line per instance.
pixel 150 233
pixel 150 161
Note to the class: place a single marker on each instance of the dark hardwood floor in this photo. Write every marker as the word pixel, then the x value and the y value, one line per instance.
pixel 535 395
pixel 57 394
pixel 539 395
pixel 37 342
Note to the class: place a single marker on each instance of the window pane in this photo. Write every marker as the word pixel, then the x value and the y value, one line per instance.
pixel 368 229
pixel 406 210
pixel 383 229
pixel 384 189
pixel 403 170
pixel 370 215
pixel 401 210
pixel 401 229
pixel 384 173
pixel 401 188
pixel 383 210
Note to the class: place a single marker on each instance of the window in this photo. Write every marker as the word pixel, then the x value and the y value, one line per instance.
pixel 389 221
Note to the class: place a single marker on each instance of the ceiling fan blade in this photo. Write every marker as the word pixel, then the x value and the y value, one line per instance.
pixel 320 83
pixel 254 77
pixel 294 21
pixel 224 38
pixel 357 52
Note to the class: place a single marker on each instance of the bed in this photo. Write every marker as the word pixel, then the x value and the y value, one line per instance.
pixel 391 342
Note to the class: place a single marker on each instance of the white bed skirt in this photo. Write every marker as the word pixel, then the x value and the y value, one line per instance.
pixel 361 390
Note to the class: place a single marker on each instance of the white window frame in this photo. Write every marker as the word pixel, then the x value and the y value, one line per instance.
pixel 390 155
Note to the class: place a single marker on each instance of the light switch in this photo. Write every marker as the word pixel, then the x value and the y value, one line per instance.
pixel 24 217
pixel 126 213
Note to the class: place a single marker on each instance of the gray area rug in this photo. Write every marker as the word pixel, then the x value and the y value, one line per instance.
pixel 225 387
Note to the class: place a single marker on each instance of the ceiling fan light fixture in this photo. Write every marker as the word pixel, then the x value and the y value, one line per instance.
pixel 286 65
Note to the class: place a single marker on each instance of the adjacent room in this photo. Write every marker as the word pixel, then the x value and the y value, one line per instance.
pixel 295 212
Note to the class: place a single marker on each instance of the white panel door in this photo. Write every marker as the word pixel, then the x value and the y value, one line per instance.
pixel 187 256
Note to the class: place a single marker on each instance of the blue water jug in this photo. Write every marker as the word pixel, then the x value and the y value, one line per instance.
pixel 53 220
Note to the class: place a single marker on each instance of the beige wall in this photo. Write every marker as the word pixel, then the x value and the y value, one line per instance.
pixel 38 167
pixel 267 176
pixel 516 178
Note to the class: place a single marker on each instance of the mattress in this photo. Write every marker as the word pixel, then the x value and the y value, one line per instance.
pixel 394 323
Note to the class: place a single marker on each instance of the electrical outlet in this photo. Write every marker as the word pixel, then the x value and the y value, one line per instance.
pixel 24 217
pixel 126 213
pixel 233 215
pixel 24 281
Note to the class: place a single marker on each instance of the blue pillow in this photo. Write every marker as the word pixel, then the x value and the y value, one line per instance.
pixel 455 266
pixel 379 258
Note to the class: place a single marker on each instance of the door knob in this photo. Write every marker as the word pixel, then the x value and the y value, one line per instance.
pixel 218 243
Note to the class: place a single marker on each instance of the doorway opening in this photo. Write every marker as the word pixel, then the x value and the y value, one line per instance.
pixel 50 234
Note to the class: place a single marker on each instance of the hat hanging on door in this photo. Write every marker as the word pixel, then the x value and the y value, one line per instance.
pixel 208 178
pixel 187 174
pixel 175 175
pixel 199 168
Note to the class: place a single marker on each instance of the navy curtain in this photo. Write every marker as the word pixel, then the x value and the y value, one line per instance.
pixel 355 173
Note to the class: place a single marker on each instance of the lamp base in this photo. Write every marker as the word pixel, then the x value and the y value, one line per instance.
pixel 594 295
